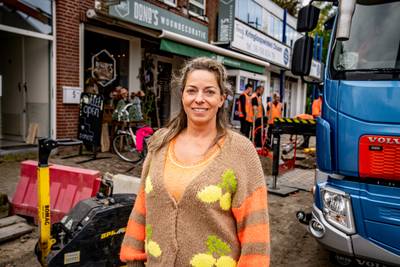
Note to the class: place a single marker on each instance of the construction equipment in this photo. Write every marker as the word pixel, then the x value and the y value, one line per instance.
pixel 91 233
pixel 286 126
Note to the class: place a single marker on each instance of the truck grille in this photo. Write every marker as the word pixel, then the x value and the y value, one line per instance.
pixel 379 157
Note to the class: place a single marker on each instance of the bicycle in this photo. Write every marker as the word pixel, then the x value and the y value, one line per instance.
pixel 124 142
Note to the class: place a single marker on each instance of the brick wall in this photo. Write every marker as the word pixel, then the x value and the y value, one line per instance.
pixel 68 18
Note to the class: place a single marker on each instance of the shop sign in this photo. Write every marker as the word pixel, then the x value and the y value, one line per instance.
pixel 226 20
pixel 316 70
pixel 104 68
pixel 90 118
pixel 149 15
pixel 256 43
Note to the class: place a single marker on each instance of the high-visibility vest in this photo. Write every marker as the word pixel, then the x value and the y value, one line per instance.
pixel 317 107
pixel 249 109
pixel 275 111
pixel 259 107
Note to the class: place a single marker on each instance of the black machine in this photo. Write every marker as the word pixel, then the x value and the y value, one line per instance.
pixel 91 234
pixel 286 126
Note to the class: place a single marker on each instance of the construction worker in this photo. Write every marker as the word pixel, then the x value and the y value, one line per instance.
pixel 316 112
pixel 274 110
pixel 245 110
pixel 317 106
pixel 258 115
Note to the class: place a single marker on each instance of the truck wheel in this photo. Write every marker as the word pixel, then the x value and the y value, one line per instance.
pixel 342 260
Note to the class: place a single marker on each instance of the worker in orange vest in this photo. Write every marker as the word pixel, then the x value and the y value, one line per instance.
pixel 245 110
pixel 274 110
pixel 316 112
pixel 258 114
pixel 317 107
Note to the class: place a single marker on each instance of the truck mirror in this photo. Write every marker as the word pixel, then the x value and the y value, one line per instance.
pixel 308 18
pixel 302 56
pixel 346 10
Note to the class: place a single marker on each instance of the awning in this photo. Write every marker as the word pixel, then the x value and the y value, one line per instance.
pixel 189 51
pixel 182 45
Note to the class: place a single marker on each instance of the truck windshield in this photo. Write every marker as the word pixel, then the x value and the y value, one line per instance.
pixel 374 43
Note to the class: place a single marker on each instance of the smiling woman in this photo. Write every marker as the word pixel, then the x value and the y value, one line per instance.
pixel 202 98
pixel 203 198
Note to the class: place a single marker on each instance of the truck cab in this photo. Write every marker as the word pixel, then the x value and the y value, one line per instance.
pixel 356 209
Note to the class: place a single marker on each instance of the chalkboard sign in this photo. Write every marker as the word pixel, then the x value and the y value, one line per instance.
pixel 90 119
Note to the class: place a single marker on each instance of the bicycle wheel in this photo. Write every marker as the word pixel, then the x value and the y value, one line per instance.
pixel 124 146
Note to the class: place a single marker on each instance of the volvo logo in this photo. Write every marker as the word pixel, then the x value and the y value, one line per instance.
pixel 384 140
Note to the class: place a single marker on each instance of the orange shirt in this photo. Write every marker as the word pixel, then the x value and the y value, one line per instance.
pixel 317 107
pixel 178 175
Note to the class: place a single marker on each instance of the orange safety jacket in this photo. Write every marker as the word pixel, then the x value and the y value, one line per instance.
pixel 249 109
pixel 259 107
pixel 317 107
pixel 274 111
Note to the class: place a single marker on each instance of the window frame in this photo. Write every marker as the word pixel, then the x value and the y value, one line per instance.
pixel 172 3
pixel 197 4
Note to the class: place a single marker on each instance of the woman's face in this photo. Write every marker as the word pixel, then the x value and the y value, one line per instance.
pixel 201 97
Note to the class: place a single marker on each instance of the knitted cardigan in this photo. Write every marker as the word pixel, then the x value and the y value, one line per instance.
pixel 221 219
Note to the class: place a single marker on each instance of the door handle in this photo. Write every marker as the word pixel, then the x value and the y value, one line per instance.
pixel 25 87
pixel 19 87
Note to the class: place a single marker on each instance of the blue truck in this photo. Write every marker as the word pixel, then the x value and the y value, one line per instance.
pixel 356 209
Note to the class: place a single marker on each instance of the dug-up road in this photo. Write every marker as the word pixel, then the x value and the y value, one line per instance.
pixel 291 245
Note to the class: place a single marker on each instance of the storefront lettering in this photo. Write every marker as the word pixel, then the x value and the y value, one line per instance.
pixel 86 137
pixel 149 15
pixel 91 111
pixel 145 14
pixel 256 43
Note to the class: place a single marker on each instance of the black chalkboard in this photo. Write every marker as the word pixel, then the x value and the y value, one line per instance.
pixel 90 119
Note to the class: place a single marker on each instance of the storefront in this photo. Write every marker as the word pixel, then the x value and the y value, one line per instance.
pixel 27 71
pixel 257 30
pixel 129 55
pixel 136 45
pixel 145 58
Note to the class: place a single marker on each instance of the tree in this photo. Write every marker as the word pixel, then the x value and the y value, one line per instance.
pixel 292 6
pixel 327 11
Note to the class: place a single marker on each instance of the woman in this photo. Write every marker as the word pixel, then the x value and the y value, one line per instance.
pixel 203 198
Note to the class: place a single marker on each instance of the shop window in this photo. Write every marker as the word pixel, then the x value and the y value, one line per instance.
pixel 275 27
pixel 197 7
pixel 31 15
pixel 170 2
pixel 242 10
pixel 242 83
pixel 106 62
pixel 264 24
pixel 255 15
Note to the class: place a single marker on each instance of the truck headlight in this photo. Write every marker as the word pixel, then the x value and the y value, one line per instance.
pixel 337 209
